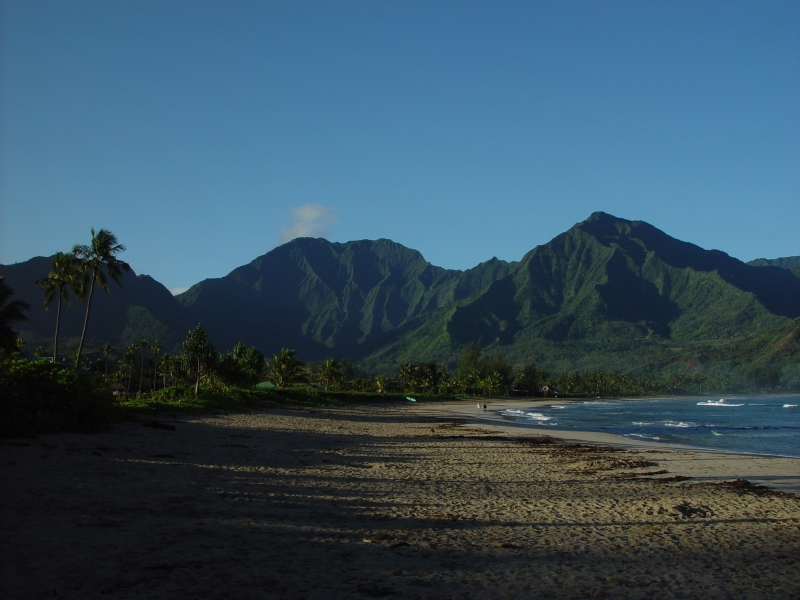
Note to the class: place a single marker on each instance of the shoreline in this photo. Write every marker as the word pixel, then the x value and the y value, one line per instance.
pixel 781 473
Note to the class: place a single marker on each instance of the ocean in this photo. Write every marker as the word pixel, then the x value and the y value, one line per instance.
pixel 765 425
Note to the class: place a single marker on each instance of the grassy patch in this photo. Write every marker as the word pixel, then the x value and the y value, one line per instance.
pixel 181 399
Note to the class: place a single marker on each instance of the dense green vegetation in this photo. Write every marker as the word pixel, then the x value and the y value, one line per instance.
pixel 43 397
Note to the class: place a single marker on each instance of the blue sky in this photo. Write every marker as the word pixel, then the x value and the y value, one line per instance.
pixel 204 134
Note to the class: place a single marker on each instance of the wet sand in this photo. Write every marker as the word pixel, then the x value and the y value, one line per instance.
pixel 396 501
pixel 701 465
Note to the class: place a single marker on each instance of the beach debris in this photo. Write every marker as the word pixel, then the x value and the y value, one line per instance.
pixel 410 399
pixel 158 425
pixel 688 511
pixel 673 479
pixel 398 545
pixel 743 486
pixel 507 545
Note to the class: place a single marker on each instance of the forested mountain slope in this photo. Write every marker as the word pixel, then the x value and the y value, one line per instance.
pixel 325 298
pixel 612 293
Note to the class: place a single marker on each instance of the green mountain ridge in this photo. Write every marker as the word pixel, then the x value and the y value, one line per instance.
pixel 611 294
pixel 608 293
pixel 792 263
pixel 331 298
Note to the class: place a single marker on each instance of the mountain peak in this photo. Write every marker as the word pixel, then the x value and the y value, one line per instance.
pixel 601 223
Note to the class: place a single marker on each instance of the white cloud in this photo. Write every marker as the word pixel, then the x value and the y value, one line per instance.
pixel 178 290
pixel 310 220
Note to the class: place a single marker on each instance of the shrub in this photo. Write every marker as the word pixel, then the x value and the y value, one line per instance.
pixel 172 394
pixel 43 397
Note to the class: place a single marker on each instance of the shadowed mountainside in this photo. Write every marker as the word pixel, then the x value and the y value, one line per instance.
pixel 787 262
pixel 143 309
pixel 330 298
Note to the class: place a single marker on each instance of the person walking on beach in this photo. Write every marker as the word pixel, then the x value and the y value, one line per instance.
pixel 484 408
pixel 479 408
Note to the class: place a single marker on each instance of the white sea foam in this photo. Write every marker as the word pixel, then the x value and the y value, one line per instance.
pixel 644 436
pixel 720 402
pixel 559 406
pixel 716 433
pixel 789 405
pixel 598 402
pixel 538 417
pixel 641 423
pixel 679 424
pixel 512 412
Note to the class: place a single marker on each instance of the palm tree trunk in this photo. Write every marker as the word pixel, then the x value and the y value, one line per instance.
pixel 141 372
pixel 155 372
pixel 85 319
pixel 58 319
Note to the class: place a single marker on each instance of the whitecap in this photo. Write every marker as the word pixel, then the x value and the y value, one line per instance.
pixel 596 402
pixel 641 423
pixel 716 432
pixel 679 424
pixel 538 417
pixel 644 436
pixel 720 402
pixel 789 405
pixel 512 412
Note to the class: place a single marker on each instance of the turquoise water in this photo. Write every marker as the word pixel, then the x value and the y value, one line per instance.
pixel 768 425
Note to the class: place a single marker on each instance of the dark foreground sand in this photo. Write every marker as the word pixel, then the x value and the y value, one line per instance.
pixel 401 502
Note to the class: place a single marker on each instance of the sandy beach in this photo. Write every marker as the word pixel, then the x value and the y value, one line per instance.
pixel 406 501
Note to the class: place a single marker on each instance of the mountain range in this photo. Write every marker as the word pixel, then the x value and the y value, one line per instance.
pixel 608 293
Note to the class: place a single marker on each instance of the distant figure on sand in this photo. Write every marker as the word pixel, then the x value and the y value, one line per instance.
pixel 484 409
pixel 479 408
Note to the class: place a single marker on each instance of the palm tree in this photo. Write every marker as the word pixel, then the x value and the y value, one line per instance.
pixel 199 356
pixel 105 350
pixel 142 345
pixel 10 312
pixel 381 383
pixel 127 359
pixel 286 368
pixel 156 348
pixel 63 275
pixel 99 262
pixel 166 368
pixel 327 372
